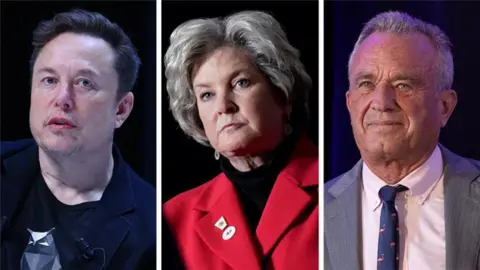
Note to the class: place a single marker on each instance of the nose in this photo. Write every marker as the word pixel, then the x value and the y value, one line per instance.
pixel 225 103
pixel 64 98
pixel 384 98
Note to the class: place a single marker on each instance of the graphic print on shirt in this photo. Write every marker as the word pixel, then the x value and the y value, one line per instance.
pixel 40 252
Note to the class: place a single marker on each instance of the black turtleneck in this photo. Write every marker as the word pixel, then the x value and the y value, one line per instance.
pixel 253 187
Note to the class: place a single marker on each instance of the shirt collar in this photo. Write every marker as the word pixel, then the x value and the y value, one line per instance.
pixel 419 182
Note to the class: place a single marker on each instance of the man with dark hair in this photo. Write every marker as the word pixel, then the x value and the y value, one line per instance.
pixel 68 199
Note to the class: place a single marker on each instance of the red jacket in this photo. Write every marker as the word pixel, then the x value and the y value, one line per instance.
pixel 286 236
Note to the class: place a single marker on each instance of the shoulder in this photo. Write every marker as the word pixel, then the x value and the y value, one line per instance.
pixel 475 163
pixel 330 183
pixel 182 207
pixel 187 199
pixel 326 188
pixel 337 185
pixel 142 189
pixel 145 197
pixel 10 148
pixel 458 165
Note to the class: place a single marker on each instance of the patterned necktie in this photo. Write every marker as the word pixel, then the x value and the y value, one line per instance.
pixel 388 240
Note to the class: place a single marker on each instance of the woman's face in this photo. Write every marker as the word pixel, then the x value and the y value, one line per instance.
pixel 239 111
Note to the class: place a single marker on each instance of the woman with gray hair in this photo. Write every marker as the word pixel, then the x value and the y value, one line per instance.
pixel 237 85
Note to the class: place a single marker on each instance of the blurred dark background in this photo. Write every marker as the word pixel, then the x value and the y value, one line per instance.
pixel 344 21
pixel 187 164
pixel 136 138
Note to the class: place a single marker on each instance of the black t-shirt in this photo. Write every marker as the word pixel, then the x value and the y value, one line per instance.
pixel 44 233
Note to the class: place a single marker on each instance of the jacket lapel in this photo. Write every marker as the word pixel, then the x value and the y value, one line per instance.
pixel 111 220
pixel 105 238
pixel 288 196
pixel 462 212
pixel 342 221
pixel 220 200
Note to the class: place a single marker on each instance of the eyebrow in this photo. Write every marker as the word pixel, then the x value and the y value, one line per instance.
pixel 83 71
pixel 400 77
pixel 231 76
pixel 363 76
pixel 88 72
pixel 405 77
pixel 46 70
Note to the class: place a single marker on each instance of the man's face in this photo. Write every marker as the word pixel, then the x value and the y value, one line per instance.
pixel 394 105
pixel 74 104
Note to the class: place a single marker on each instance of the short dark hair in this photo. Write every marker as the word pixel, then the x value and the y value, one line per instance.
pixel 93 24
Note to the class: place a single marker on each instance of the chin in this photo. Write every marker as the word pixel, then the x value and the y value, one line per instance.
pixel 244 145
pixel 234 144
pixel 387 149
pixel 59 145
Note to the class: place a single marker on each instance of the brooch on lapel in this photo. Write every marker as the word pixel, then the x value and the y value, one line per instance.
pixel 228 231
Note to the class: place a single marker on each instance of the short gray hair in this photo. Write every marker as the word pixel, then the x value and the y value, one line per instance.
pixel 401 23
pixel 259 35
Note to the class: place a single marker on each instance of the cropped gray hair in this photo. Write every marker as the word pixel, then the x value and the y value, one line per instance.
pixel 259 35
pixel 401 23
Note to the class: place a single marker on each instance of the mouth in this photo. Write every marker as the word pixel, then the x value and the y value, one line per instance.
pixel 384 123
pixel 59 122
pixel 231 126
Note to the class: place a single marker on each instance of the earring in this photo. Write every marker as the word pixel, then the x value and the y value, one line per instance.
pixel 216 155
pixel 288 129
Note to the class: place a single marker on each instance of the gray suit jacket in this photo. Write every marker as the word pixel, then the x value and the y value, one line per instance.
pixel 343 231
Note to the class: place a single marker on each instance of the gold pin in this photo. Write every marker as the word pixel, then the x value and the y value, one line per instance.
pixel 221 223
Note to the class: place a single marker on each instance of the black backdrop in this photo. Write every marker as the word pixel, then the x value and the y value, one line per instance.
pixel 187 164
pixel 343 23
pixel 136 138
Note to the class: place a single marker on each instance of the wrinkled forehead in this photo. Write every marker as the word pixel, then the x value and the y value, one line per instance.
pixel 406 52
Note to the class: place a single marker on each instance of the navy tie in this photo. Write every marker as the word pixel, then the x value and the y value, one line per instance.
pixel 388 240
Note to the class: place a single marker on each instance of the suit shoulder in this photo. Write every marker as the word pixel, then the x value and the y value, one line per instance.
pixel 10 148
pixel 143 188
pixel 187 198
pixel 178 207
pixel 145 194
pixel 327 196
pixel 330 183
pixel 475 163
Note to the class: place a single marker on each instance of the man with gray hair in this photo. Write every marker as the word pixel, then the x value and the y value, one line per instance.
pixel 409 203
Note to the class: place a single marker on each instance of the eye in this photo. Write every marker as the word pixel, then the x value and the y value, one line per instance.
pixel 85 83
pixel 44 243
pixel 206 96
pixel 366 84
pixel 242 83
pixel 49 80
pixel 404 87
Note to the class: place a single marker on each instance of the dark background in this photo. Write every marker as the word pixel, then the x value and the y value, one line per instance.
pixel 187 164
pixel 136 138
pixel 344 21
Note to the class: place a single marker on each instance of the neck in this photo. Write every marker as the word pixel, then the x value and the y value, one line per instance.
pixel 251 162
pixel 248 163
pixel 77 178
pixel 392 171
